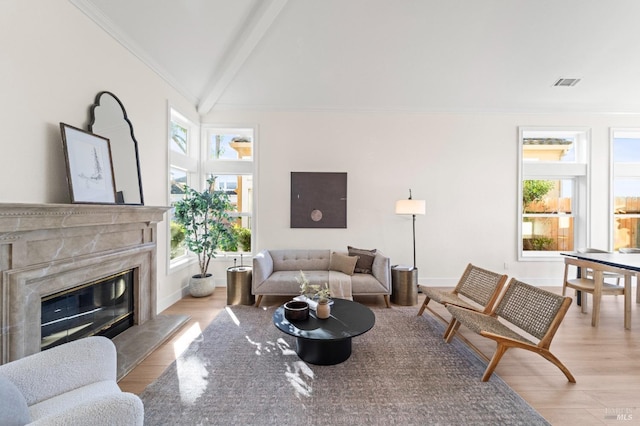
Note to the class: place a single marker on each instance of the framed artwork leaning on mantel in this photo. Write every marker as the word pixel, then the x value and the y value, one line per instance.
pixel 89 166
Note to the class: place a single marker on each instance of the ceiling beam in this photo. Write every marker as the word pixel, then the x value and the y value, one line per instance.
pixel 257 24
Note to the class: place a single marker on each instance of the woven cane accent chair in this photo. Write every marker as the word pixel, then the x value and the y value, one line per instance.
pixel 476 285
pixel 537 312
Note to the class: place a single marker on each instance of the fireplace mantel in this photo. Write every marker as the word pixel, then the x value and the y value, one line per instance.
pixel 30 217
pixel 47 248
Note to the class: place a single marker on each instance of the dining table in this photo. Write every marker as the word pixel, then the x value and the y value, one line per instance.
pixel 625 264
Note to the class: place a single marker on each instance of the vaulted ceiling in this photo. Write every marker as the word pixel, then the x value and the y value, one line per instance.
pixel 400 55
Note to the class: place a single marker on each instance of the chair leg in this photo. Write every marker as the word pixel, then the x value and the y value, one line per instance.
pixel 564 280
pixel 597 298
pixel 500 350
pixel 424 305
pixel 386 300
pixel 555 361
pixel 627 301
pixel 450 327
pixel 453 327
pixel 258 300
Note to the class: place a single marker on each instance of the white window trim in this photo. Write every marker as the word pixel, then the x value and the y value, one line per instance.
pixel 621 170
pixel 188 163
pixel 233 167
pixel 578 171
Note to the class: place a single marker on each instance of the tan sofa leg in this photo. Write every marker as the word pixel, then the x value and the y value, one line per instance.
pixel 258 300
pixel 386 300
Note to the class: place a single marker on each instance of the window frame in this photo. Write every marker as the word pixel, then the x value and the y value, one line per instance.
pixel 577 171
pixel 187 162
pixel 225 166
pixel 622 170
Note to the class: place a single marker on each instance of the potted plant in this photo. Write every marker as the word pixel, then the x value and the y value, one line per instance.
pixel 306 289
pixel 315 293
pixel 206 222
pixel 312 291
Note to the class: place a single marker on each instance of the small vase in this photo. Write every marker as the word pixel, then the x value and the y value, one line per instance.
pixel 323 310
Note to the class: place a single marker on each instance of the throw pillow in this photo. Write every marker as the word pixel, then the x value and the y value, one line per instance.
pixel 342 263
pixel 365 259
pixel 13 406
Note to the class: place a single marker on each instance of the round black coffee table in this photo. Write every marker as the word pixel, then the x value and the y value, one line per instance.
pixel 327 341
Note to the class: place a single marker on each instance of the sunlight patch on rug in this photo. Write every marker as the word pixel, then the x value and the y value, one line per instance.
pixel 233 316
pixel 192 378
pixel 300 376
pixel 182 343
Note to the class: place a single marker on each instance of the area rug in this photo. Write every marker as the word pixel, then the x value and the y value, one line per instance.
pixel 243 371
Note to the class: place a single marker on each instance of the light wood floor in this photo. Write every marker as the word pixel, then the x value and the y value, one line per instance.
pixel 605 361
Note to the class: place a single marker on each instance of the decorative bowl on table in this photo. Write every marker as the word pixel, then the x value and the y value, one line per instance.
pixel 296 310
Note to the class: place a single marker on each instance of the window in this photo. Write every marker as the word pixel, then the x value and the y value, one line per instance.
pixel 625 147
pixel 228 154
pixel 220 152
pixel 552 192
pixel 183 168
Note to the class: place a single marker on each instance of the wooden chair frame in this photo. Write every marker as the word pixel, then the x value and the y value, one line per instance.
pixel 597 287
pixel 535 311
pixel 633 250
pixel 476 284
pixel 588 273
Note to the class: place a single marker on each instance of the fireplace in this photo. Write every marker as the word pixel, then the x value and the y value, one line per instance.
pixel 52 250
pixel 99 308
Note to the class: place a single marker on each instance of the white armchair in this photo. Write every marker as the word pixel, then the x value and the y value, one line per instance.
pixel 71 384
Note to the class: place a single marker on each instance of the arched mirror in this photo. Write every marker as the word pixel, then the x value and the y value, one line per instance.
pixel 109 119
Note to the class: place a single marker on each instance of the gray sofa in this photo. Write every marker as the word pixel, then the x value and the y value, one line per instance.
pixel 275 272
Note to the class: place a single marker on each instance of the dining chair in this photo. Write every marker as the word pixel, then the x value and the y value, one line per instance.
pixel 633 250
pixel 588 273
pixel 629 250
pixel 596 286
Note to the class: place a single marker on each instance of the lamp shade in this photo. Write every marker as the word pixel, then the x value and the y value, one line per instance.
pixel 411 207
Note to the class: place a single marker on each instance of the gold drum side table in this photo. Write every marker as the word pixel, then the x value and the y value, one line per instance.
pixel 404 285
pixel 239 286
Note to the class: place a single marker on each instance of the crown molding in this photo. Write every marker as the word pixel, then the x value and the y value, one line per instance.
pixel 97 16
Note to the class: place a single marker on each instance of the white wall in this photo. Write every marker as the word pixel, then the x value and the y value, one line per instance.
pixel 53 62
pixel 463 165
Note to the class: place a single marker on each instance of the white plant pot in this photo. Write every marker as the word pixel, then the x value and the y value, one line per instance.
pixel 201 287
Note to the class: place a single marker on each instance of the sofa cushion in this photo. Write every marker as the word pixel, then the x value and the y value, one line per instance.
pixel 365 259
pixel 343 263
pixel 300 260
pixel 13 406
pixel 285 283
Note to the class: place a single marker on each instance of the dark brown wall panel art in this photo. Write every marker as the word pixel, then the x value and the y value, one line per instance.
pixel 318 200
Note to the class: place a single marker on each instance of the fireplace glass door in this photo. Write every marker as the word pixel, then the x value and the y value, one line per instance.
pixel 103 308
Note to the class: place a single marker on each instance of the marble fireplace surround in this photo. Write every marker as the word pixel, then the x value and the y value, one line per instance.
pixel 48 248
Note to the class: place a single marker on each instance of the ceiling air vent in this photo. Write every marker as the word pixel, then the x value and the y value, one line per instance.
pixel 566 82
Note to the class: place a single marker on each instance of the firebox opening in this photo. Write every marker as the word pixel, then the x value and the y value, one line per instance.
pixel 103 308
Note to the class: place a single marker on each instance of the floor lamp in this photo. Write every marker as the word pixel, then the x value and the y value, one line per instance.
pixel 413 208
